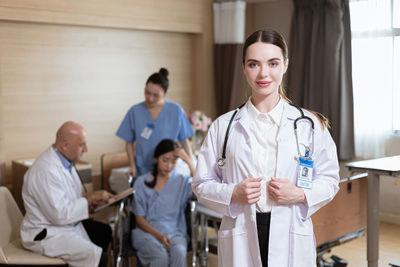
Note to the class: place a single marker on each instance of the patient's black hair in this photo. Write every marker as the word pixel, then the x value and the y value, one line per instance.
pixel 165 146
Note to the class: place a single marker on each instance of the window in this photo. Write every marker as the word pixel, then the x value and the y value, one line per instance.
pixel 375 27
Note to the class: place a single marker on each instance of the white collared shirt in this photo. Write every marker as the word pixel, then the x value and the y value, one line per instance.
pixel 263 133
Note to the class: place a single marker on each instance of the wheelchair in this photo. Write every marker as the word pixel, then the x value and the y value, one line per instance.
pixel 122 250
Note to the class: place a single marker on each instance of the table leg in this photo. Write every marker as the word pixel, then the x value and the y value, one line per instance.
pixel 373 220
pixel 195 232
pixel 203 238
pixel 206 243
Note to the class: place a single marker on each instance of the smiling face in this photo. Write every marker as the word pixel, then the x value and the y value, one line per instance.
pixel 264 66
pixel 154 94
pixel 166 163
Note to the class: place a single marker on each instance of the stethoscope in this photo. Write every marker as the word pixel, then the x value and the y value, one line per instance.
pixel 80 177
pixel 222 160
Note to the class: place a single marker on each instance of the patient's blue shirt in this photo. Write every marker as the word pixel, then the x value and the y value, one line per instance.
pixel 164 210
pixel 172 123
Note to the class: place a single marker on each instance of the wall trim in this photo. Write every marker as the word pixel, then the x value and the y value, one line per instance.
pixel 390 218
pixel 168 15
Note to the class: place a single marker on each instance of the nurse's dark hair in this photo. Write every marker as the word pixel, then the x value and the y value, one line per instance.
pixel 165 146
pixel 160 78
pixel 271 36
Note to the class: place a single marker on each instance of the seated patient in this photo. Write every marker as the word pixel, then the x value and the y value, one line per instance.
pixel 160 199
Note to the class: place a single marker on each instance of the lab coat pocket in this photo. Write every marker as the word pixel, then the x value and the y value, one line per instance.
pixel 233 245
pixel 302 247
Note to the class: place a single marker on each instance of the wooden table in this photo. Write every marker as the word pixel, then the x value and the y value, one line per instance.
pixel 383 166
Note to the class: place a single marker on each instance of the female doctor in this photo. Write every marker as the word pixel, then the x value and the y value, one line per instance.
pixel 254 180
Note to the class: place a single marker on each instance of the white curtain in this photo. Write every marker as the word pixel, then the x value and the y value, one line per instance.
pixel 374 86
pixel 229 22
pixel 229 26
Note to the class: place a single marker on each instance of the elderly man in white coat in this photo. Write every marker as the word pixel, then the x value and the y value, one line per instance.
pixel 55 207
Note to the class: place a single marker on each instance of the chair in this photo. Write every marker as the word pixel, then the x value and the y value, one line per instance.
pixel 122 249
pixel 125 220
pixel 202 218
pixel 110 161
pixel 12 252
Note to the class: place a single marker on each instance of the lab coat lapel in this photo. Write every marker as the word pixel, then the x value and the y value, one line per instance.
pixel 289 115
pixel 240 143
pixel 243 118
pixel 286 140
pixel 75 182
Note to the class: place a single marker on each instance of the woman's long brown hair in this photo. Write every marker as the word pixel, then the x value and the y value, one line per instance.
pixel 270 36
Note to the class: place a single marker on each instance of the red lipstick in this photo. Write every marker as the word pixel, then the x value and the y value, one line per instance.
pixel 263 83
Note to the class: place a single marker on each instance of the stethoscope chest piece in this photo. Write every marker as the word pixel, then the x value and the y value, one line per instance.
pixel 221 163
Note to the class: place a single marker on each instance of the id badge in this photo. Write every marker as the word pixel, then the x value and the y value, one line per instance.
pixel 147 131
pixel 304 173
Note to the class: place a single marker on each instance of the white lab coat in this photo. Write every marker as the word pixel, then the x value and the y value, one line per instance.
pixel 292 241
pixel 53 201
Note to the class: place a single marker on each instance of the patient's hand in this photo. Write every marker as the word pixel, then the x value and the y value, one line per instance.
pixel 180 153
pixel 165 241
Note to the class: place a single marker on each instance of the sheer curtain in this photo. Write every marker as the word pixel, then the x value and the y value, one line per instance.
pixel 375 58
pixel 229 25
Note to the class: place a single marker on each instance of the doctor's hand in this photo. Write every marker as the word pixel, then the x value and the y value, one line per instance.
pixel 284 192
pixel 165 241
pixel 247 191
pixel 97 198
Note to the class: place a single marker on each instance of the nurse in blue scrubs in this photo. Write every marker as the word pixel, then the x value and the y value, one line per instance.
pixel 151 121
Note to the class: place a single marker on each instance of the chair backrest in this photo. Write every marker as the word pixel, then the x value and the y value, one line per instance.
pixel 10 218
pixel 110 161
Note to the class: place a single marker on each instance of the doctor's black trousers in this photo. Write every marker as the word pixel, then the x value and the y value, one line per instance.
pixel 263 223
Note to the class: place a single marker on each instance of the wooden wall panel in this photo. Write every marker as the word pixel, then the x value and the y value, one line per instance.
pixel 346 213
pixel 2 152
pixel 165 15
pixel 53 73
pixel 203 65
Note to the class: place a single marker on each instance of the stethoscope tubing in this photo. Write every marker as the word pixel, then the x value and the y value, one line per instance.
pixel 303 117
pixel 221 160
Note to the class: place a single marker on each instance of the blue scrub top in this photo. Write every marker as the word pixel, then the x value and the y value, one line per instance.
pixel 172 123
pixel 164 210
